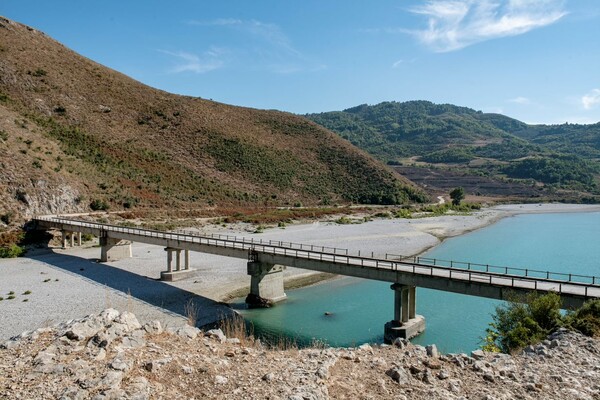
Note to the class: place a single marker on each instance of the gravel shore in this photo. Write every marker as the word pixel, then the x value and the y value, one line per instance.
pixel 68 284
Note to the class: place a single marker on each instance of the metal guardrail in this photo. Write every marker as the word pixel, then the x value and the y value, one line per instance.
pixel 471 272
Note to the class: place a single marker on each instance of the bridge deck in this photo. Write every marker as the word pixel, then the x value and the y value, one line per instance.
pixel 491 282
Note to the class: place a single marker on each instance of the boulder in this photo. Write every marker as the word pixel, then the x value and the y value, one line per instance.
pixel 216 334
pixel 399 375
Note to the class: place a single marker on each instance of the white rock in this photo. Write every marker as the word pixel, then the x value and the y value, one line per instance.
pixel 153 327
pixel 220 380
pixel 129 320
pixel 187 331
pixel 107 316
pixel 432 351
pixel 112 379
pixel 216 334
pixel 399 375
pixel 478 354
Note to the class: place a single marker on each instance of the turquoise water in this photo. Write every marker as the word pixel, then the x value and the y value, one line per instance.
pixel 567 242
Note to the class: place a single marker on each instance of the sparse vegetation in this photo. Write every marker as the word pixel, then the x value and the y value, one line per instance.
pixel 38 72
pixel 191 312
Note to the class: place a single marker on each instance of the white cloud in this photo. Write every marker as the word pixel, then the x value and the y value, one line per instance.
pixel 271 33
pixel 272 49
pixel 591 99
pixel 189 62
pixel 520 100
pixel 397 63
pixel 455 24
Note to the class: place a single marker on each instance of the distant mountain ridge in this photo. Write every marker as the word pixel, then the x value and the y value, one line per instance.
pixel 559 156
pixel 75 134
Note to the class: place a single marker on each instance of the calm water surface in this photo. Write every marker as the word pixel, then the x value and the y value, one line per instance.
pixel 567 242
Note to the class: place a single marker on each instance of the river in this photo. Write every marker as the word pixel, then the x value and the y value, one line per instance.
pixel 358 309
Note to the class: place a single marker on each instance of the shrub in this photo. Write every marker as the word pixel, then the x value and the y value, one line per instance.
pixel 586 319
pixel 7 217
pixel 60 110
pixel 11 251
pixel 523 321
pixel 99 205
pixel 403 213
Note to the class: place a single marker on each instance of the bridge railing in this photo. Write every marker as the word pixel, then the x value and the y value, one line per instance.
pixel 513 271
pixel 416 265
pixel 278 243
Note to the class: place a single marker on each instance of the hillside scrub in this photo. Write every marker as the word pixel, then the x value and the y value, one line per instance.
pixel 132 146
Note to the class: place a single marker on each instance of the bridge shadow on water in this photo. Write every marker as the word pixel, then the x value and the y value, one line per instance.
pixel 166 298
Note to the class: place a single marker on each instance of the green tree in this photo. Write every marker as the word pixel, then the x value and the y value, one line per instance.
pixel 457 195
pixel 523 321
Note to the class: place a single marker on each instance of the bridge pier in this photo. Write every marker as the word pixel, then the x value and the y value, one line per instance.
pixel 114 249
pixel 266 282
pixel 73 238
pixel 179 272
pixel 406 323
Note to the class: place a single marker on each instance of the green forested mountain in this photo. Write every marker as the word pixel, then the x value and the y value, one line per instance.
pixel 422 133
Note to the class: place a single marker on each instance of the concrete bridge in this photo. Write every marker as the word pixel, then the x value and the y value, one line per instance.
pixel 268 259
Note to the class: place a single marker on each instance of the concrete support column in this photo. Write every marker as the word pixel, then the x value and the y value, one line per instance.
pixel 406 323
pixel 114 249
pixel 78 238
pixel 412 306
pixel 178 260
pixel 397 304
pixel 169 259
pixel 405 303
pixel 72 239
pixel 178 272
pixel 64 239
pixel 266 283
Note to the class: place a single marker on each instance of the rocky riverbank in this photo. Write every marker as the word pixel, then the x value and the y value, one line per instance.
pixel 112 356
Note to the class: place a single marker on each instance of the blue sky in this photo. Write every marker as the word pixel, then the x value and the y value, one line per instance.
pixel 534 60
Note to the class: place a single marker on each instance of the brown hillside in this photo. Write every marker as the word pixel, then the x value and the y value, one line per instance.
pixel 74 131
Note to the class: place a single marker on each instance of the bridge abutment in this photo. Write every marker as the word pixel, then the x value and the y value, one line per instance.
pixel 179 271
pixel 406 323
pixel 114 249
pixel 266 281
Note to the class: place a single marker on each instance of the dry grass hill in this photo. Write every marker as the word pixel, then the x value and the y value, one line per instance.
pixel 75 134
